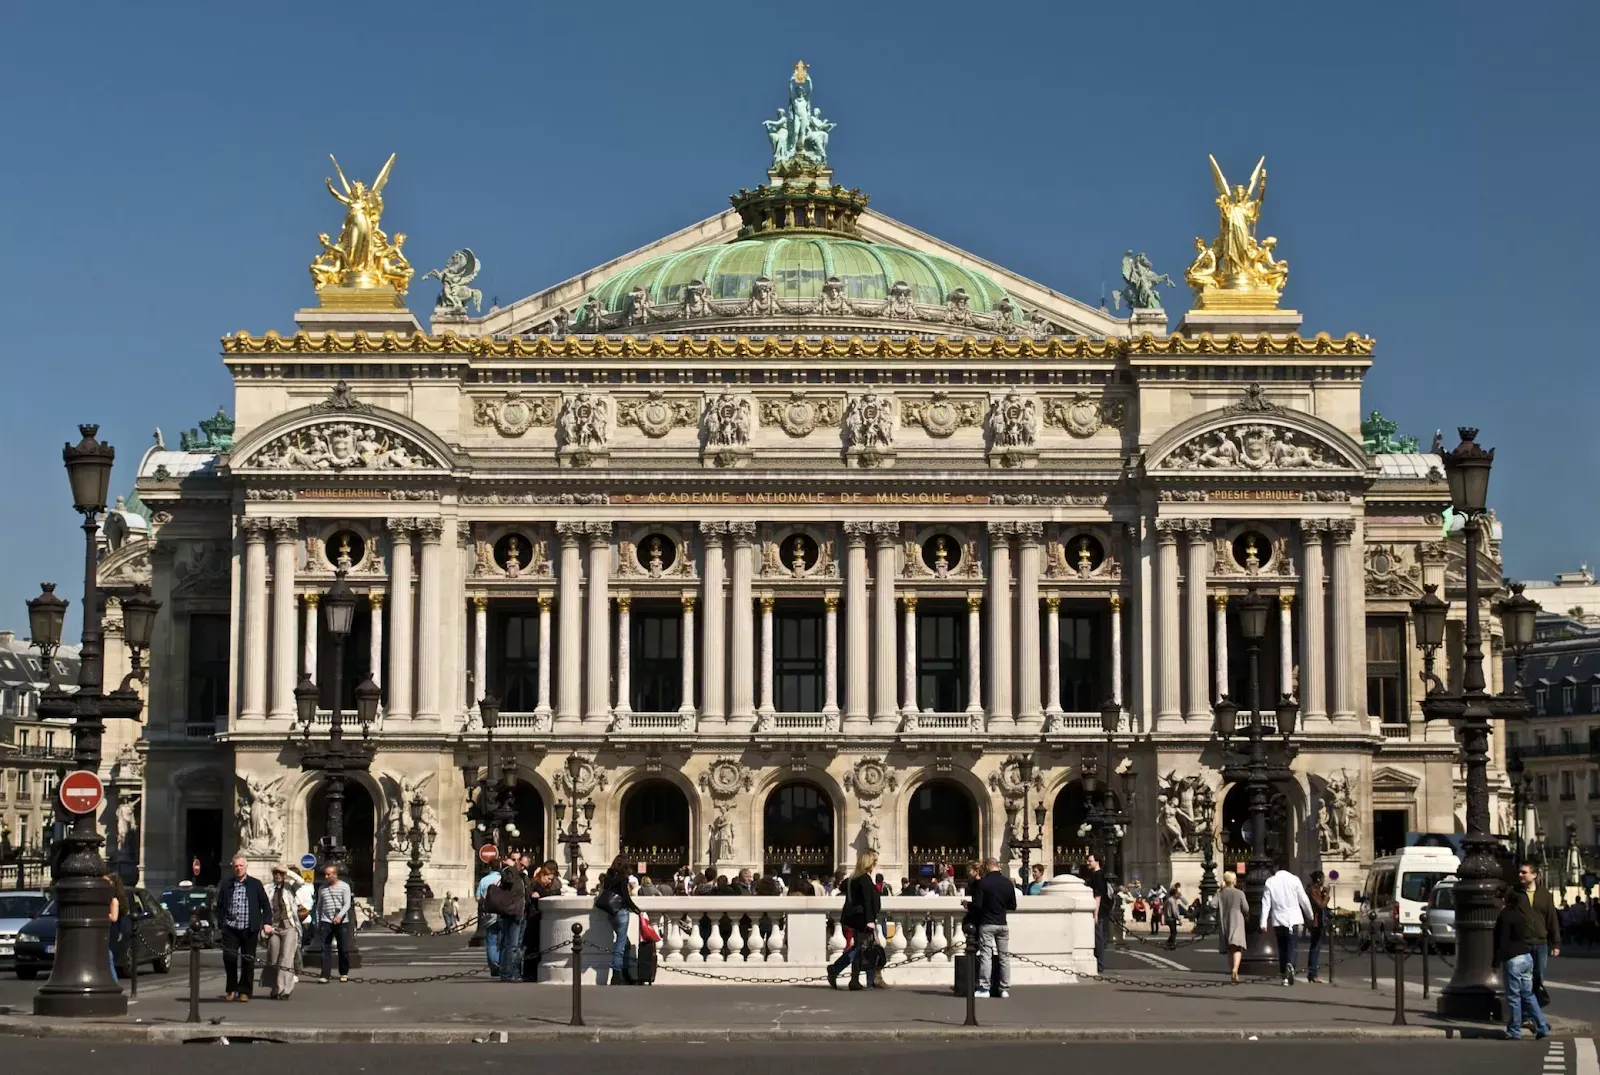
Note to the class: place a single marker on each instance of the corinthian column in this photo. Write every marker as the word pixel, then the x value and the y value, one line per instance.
pixel 1116 648
pixel 1285 643
pixel 713 690
pixel 375 643
pixel 686 704
pixel 1220 599
pixel 624 704
pixel 285 622
pixel 569 680
pixel 599 632
pixel 975 654
pixel 254 702
pixel 855 624
pixel 766 655
pixel 1168 695
pixel 480 648
pixel 308 660
pixel 1000 653
pixel 400 620
pixel 830 663
pixel 909 672
pixel 543 708
pixel 885 709
pixel 430 621
pixel 1198 667
pixel 1344 706
pixel 741 631
pixel 1052 653
pixel 1028 535
pixel 1313 622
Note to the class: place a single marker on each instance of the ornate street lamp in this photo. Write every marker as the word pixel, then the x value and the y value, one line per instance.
pixel 414 921
pixel 1024 840
pixel 80 982
pixel 1474 989
pixel 1257 773
pixel 574 836
pixel 494 809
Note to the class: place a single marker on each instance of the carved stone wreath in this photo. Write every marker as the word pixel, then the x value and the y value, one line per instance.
pixel 590 778
pixel 513 415
pixel 870 779
pixel 1083 414
pixel 941 416
pixel 657 415
pixel 800 415
pixel 726 778
pixel 1008 780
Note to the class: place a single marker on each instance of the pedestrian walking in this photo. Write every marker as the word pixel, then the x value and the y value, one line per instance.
pixel 489 920
pixel 283 944
pixel 1172 910
pixel 335 904
pixel 1318 894
pixel 1541 926
pixel 990 899
pixel 451 912
pixel 1513 955
pixel 614 899
pixel 245 915
pixel 1232 907
pixel 858 920
pixel 1286 907
pixel 122 933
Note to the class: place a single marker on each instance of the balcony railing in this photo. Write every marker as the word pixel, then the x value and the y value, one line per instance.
pixel 797 724
pixel 201 729
pixel 1551 750
pixel 1400 732
pixel 645 724
pixel 936 724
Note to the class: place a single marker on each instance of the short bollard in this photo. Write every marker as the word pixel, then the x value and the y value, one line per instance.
pixel 1372 945
pixel 133 964
pixel 577 975
pixel 194 970
pixel 1400 985
pixel 1333 949
pixel 971 957
pixel 1427 941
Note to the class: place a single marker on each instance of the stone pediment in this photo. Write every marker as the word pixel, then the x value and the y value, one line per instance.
pixel 1253 437
pixel 341 435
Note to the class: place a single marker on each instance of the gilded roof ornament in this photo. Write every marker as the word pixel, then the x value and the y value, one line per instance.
pixel 1236 271
pixel 364 269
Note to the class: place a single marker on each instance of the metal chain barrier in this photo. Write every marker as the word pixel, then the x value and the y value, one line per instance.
pixel 448 931
pixel 1142 983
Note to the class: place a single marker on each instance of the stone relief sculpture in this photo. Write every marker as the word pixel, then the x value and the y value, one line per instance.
pixel 128 821
pixel 1083 415
pixel 720 844
pixel 454 280
pixel 514 414
pixel 1248 447
pixel 940 415
pixel 726 778
pixel 584 422
pixel 656 415
pixel 870 779
pixel 1338 826
pixel 1139 280
pixel 259 813
pixel 727 423
pixel 342 446
pixel 1178 817
pixel 800 414
pixel 1012 422
pixel 398 821
pixel 871 835
pixel 869 425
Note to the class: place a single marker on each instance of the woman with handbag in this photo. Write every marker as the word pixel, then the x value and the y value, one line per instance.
pixel 614 900
pixel 858 920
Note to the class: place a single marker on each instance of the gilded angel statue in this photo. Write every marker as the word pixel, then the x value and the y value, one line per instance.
pixel 1236 261
pixel 362 256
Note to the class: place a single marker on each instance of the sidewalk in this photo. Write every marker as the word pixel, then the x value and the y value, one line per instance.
pixel 1174 1005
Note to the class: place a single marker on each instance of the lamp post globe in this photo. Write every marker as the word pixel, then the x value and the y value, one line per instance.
pixel 1467 469
pixel 89 464
pixel 339 607
pixel 139 617
pixel 46 615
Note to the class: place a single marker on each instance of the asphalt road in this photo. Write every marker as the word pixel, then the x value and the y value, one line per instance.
pixel 1556 1057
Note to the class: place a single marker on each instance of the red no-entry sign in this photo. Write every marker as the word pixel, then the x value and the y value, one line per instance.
pixel 488 853
pixel 81 792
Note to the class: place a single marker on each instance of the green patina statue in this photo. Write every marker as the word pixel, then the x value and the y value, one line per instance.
pixel 1140 278
pixel 1378 436
pixel 799 135
pixel 214 435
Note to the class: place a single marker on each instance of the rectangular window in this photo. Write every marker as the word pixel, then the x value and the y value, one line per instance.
pixel 941 657
pixel 1513 740
pixel 1569 700
pixel 1539 701
pixel 23 788
pixel 1594 699
pixel 799 640
pixel 1539 739
pixel 516 676
pixel 23 839
pixel 1594 783
pixel 1082 678
pixel 1386 695
pixel 1567 793
pixel 22 738
pixel 1566 737
pixel 657 672
pixel 207 701
pixel 1542 783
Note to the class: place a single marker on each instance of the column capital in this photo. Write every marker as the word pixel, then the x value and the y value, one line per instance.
pixel 1342 530
pixel 1313 529
pixel 1030 533
pixel 1433 552
pixel 1002 529
pixel 886 534
pixel 373 599
pixel 545 601
pixel 598 531
pixel 255 527
pixel 1116 602
pixel 714 529
pixel 767 601
pixel 830 602
pixel 1167 530
pixel 431 529
pixel 285 529
pixel 1221 600
pixel 624 602
pixel 974 602
pixel 312 598
pixel 910 601
pixel 569 533
pixel 855 534
pixel 1052 602
pixel 688 602
pixel 1198 530
pixel 402 527
pixel 742 532
pixel 480 603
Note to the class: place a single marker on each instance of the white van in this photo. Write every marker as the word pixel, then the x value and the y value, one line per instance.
pixel 1398 887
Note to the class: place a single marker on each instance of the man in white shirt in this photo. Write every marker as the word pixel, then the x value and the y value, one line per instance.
pixel 1285 906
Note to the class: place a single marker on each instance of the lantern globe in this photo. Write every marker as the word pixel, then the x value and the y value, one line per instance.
pixel 89 464
pixel 1253 616
pixel 339 606
pixel 1428 613
pixel 139 617
pixel 46 615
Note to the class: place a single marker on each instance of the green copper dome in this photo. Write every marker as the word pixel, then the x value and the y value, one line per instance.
pixel 798 265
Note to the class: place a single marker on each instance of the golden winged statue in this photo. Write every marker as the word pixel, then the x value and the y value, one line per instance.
pixel 363 257
pixel 1237 271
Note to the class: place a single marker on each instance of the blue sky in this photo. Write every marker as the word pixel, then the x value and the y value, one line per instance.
pixel 1433 184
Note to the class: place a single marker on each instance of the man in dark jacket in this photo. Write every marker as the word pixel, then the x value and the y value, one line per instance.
pixel 991 898
pixel 1512 956
pixel 512 923
pixel 244 913
pixel 1542 928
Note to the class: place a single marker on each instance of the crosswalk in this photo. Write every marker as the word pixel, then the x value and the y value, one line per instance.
pixel 1555 1058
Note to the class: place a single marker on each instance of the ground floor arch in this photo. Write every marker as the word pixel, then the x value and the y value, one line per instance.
pixel 798 827
pixel 360 832
pixel 1280 825
pixel 528 818
pixel 654 830
pixel 941 828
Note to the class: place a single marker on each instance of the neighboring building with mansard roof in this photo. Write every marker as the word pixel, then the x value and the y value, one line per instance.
pixel 796 526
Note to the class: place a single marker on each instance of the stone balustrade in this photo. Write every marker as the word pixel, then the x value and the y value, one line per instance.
pixel 775 938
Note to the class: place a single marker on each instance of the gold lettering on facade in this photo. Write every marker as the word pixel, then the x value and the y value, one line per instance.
pixel 1255 494
pixel 799 498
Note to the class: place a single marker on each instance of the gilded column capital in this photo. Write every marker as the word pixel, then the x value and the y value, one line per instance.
pixel 1116 602
pixel 1052 602
pixel 1221 600
pixel 569 533
pixel 1342 530
pixel 688 602
pixel 480 603
pixel 1285 601
pixel 856 533
pixel 255 527
pixel 375 600
pixel 431 529
pixel 598 531
pixel 1030 533
pixel 545 601
pixel 831 602
pixel 767 601
pixel 624 602
pixel 742 532
pixel 312 599
pixel 285 529
pixel 909 600
pixel 402 527
pixel 974 602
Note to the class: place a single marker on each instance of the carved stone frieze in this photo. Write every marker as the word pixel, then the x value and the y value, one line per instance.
pixel 577 499
pixel 940 414
pixel 514 414
pixel 338 446
pixel 1082 414
pixel 799 414
pixel 1393 571
pixel 869 429
pixel 1250 447
pixel 658 414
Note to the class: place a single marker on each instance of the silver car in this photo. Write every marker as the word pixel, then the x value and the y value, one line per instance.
pixel 17 909
pixel 1442 914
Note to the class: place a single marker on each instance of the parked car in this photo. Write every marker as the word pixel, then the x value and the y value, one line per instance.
pixel 36 942
pixel 1442 914
pixel 17 909
pixel 1398 887
pixel 189 905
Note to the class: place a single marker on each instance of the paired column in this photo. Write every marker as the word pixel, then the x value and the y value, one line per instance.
pixel 1028 552
pixel 430 620
pixel 1198 667
pixel 830 661
pixel 624 704
pixel 1116 648
pixel 1052 654
pixel 741 632
pixel 686 705
pixel 1220 600
pixel 1313 623
pixel 1168 695
pixel 599 633
pixel 375 647
pixel 308 659
pixel 400 619
pixel 855 626
pixel 1000 618
pixel 766 708
pixel 713 702
pixel 569 683
pixel 480 648
pixel 1285 643
pixel 909 677
pixel 975 653
pixel 885 537
pixel 253 701
pixel 543 708
pixel 285 621
pixel 1343 592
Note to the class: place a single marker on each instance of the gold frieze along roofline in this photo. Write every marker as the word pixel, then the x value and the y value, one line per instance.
pixel 392 343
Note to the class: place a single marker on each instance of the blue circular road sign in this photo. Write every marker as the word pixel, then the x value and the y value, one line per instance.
pixel 308 861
